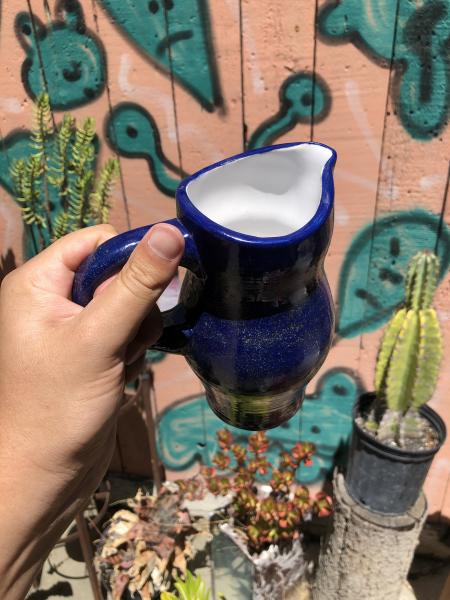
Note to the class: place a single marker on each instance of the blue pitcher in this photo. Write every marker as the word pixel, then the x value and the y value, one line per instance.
pixel 255 319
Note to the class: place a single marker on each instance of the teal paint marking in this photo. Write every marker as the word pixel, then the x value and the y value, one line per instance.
pixel 420 53
pixel 367 297
pixel 133 133
pixel 72 57
pixel 154 356
pixel 187 430
pixel 174 35
pixel 14 146
pixel 302 96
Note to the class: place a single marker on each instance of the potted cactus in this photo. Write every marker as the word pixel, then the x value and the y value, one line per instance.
pixel 256 550
pixel 395 435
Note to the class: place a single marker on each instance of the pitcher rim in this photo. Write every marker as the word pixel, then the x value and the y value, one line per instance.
pixel 321 215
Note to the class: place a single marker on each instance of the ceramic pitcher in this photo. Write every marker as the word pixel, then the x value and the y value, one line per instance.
pixel 255 317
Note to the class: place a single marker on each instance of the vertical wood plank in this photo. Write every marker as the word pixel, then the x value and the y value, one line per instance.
pixel 209 127
pixel 354 127
pixel 277 61
pixel 208 119
pixel 141 114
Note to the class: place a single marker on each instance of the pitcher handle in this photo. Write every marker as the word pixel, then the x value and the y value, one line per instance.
pixel 111 256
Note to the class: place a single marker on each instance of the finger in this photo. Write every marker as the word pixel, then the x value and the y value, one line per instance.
pixel 104 284
pixel 118 311
pixel 149 332
pixel 53 269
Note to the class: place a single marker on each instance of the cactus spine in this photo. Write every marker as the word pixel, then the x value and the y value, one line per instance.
pixel 410 355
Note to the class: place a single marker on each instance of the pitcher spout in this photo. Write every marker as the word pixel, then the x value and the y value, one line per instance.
pixel 266 193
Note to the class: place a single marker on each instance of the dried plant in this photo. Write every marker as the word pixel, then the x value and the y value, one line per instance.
pixel 268 518
pixel 144 549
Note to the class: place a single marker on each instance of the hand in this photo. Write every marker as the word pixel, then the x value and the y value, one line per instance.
pixel 62 376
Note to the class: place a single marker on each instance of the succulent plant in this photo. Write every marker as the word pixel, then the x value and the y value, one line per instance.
pixel 144 549
pixel 192 588
pixel 268 518
pixel 409 358
pixel 55 183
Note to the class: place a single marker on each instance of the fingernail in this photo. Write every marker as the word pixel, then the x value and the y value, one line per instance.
pixel 165 241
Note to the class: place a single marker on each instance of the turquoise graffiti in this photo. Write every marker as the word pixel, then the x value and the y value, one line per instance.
pixel 18 144
pixel 187 430
pixel 133 133
pixel 63 58
pixel 175 36
pixel 154 356
pixel 368 295
pixel 303 97
pixel 416 37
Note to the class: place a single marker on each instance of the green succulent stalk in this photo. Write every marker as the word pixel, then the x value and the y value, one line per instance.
pixel 27 176
pixel 56 185
pixel 100 199
pixel 40 139
pixel 409 358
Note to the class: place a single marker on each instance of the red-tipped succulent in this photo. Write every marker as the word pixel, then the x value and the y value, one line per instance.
pixel 274 517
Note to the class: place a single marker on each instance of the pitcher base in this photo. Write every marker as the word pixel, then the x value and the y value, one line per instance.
pixel 254 412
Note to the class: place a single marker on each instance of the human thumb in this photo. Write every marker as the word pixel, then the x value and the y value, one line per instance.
pixel 116 313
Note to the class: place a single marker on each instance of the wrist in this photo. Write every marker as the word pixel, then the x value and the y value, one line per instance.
pixel 34 511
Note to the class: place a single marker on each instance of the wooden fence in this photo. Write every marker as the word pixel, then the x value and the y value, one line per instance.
pixel 177 84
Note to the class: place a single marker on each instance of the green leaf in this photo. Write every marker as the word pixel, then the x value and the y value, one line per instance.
pixel 193 588
pixel 42 127
pixel 59 159
pixel 61 225
pixel 99 200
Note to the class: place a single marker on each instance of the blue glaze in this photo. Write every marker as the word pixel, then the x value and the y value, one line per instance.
pixel 256 317
pixel 112 255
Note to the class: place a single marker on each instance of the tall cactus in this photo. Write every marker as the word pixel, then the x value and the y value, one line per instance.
pixel 410 355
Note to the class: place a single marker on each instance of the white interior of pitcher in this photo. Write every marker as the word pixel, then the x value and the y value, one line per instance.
pixel 265 195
